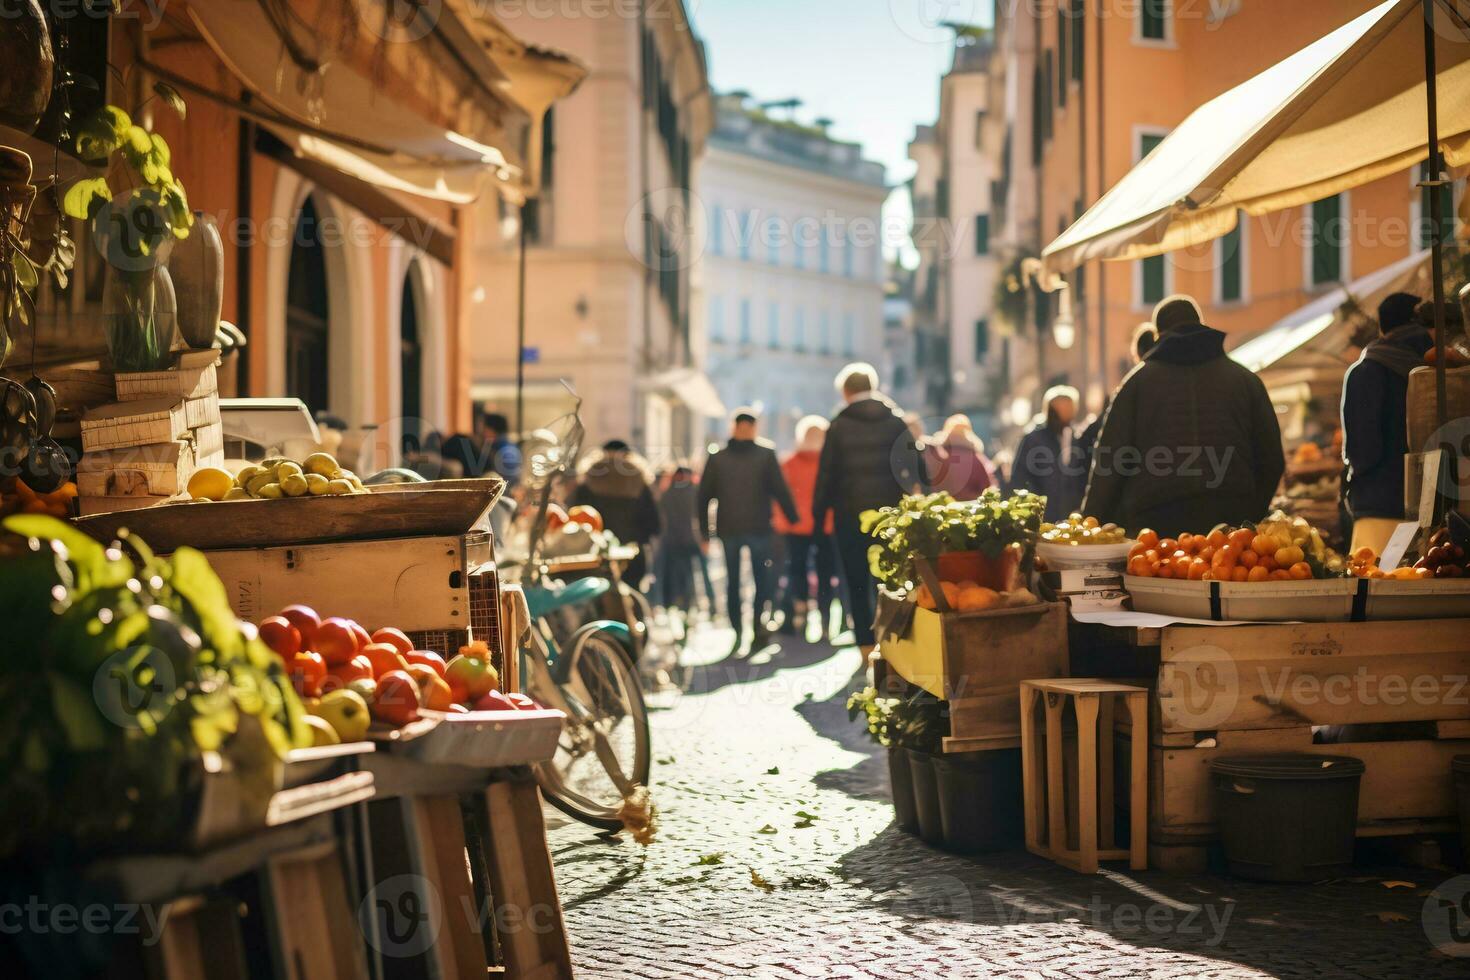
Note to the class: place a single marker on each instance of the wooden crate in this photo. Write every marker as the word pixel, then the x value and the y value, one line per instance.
pixel 1247 678
pixel 415 584
pixel 195 377
pixel 976 662
pixel 1407 787
pixel 209 444
pixel 137 423
pixel 92 506
pixel 199 412
pixel 158 470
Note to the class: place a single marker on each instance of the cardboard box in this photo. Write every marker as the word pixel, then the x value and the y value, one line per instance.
pixel 209 444
pixel 133 423
pixel 199 412
pixel 162 469
pixel 195 376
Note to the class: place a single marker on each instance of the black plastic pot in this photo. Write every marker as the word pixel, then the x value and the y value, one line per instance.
pixel 1461 769
pixel 926 797
pixel 1289 817
pixel 980 800
pixel 901 779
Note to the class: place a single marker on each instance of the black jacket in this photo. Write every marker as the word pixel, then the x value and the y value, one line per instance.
pixel 678 509
pixel 1038 467
pixel 745 478
pixel 621 492
pixel 1189 441
pixel 870 460
pixel 1374 422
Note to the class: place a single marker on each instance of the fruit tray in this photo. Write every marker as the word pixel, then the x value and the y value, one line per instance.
pixel 404 511
pixel 1432 599
pixel 1311 601
pixel 485 739
pixel 1060 556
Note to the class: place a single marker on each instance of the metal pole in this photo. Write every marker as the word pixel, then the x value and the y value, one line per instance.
pixel 1436 232
pixel 521 330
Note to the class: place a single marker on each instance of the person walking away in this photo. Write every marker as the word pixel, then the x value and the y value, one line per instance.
pixel 1190 439
pixel 1374 421
pixel 1049 460
pixel 808 546
pixel 956 462
pixel 870 460
pixel 488 452
pixel 744 480
pixel 678 511
pixel 619 483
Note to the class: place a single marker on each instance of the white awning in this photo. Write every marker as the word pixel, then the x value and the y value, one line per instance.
pixel 1318 328
pixel 1346 110
pixel 690 386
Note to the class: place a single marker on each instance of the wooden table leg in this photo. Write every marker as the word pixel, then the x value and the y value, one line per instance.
pixel 1138 782
pixel 1108 834
pixel 1056 800
pixel 533 935
pixel 1030 770
pixel 1087 708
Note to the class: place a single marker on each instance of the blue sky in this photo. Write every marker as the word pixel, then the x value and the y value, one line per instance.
pixel 872 66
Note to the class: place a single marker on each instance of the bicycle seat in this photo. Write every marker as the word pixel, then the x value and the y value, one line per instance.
pixel 543 600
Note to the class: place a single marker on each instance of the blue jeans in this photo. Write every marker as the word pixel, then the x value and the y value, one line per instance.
pixel 759 546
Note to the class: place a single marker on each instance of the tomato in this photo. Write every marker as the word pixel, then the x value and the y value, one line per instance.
pixel 384 659
pixel 586 514
pixel 307 671
pixel 360 634
pixel 426 657
pixel 396 700
pixel 359 668
pixel 306 621
pixel 392 637
pixel 335 641
pixel 277 633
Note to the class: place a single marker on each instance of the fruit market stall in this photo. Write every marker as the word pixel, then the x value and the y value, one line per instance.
pixel 1258 639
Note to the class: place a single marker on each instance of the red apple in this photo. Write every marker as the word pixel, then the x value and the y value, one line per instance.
pixel 361 635
pixel 335 641
pixel 428 658
pixel 306 621
pixel 359 668
pixel 397 698
pixel 277 633
pixel 384 659
pixel 494 701
pixel 307 671
pixel 394 638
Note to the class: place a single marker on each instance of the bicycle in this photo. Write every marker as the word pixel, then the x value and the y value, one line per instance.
pixel 603 754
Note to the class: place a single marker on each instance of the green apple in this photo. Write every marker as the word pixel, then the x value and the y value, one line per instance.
pixel 347 713
pixel 322 732
pixel 365 688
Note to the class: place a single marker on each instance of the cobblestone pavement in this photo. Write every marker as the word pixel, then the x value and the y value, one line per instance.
pixel 777 857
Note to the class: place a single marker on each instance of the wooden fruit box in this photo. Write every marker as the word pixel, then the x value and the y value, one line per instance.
pixel 136 423
pixel 1246 678
pixel 449 507
pixel 1407 788
pixel 414 584
pixel 199 412
pixel 976 662
pixel 158 470
pixel 89 506
pixel 487 739
pixel 195 377
pixel 209 443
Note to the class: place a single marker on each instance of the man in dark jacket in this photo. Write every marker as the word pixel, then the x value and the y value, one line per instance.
pixel 1190 439
pixel 1051 459
pixel 745 480
pixel 1374 394
pixel 619 483
pixel 869 461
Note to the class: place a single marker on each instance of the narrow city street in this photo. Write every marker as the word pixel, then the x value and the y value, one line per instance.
pixel 777 857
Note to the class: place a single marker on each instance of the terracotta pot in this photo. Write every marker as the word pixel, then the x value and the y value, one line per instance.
pixel 25 51
pixel 198 269
pixel 980 568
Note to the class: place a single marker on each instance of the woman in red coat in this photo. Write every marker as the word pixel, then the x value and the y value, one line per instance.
pixel 955 458
pixel 806 544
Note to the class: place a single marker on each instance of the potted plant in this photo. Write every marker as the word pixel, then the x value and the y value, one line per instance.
pixel 919 725
pixel 877 714
pixel 134 230
pixel 981 541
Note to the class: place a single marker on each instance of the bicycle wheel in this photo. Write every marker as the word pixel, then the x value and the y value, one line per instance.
pixel 603 753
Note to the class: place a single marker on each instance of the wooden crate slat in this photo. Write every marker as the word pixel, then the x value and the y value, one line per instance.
pixel 141 423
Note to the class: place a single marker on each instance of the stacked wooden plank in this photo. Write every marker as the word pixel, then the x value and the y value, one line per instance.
pixel 142 449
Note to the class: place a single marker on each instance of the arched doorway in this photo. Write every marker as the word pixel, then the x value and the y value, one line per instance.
pixel 307 314
pixel 411 363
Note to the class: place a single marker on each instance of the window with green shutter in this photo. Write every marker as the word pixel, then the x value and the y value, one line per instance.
pixel 1327 239
pixel 1062 59
pixel 982 339
pixel 1232 265
pixel 1423 233
pixel 1154 277
pixel 1153 20
pixel 1079 37
pixel 982 234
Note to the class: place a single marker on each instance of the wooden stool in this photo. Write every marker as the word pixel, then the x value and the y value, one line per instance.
pixel 1046 801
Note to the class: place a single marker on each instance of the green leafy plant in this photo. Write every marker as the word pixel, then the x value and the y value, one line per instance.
pixel 876 712
pixel 937 524
pixel 122 671
pixel 920 722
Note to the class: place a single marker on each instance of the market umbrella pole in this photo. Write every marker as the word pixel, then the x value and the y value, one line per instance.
pixel 1435 183
pixel 521 330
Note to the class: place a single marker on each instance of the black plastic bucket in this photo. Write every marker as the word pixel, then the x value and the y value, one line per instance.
pixel 1461 769
pixel 980 800
pixel 1288 817
pixel 901 780
pixel 926 797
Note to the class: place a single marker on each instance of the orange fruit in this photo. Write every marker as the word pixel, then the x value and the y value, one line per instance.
pixel 1249 558
pixel 1258 574
pixel 1153 556
pixel 1149 538
pixel 1138 565
pixel 1241 538
pixel 1365 556
pixel 923 597
pixel 1207 552
pixel 1268 562
pixel 1224 557
pixel 1300 571
pixel 1240 574
pixel 1289 556
pixel 1281 575
pixel 384 658
pixel 1168 546
pixel 1217 539
pixel 1207 577
pixel 1186 541
pixel 1264 544
pixel 1197 569
pixel 1166 568
pixel 1136 551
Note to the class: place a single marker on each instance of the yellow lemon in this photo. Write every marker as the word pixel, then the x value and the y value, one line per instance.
pixel 322 464
pixel 211 483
